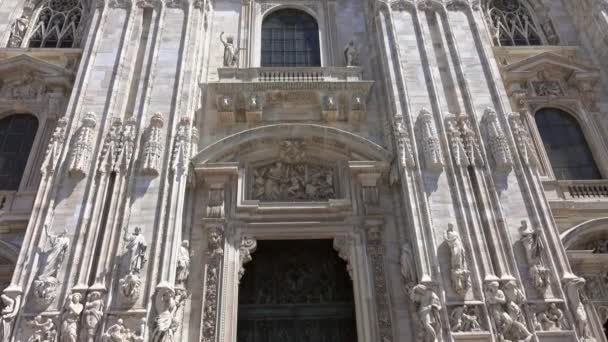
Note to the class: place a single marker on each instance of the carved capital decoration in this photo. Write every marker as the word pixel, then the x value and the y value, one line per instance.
pixel 247 247
pixel 375 251
pixel 153 146
pixel 215 256
pixel 79 159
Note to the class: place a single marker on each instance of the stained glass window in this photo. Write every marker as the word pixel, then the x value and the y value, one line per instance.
pixel 290 38
pixel 511 23
pixel 566 146
pixel 17 133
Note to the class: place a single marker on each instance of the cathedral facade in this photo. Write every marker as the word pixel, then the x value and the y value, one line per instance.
pixel 303 170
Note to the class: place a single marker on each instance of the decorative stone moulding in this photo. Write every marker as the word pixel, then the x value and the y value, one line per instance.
pixel 81 149
pixel 247 94
pixel 153 146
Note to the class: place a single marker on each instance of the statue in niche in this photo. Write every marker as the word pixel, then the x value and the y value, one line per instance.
pixel 351 56
pixel 93 313
pixel 576 300
pixel 52 260
pixel 183 263
pixel 166 303
pixel 533 245
pixel 408 267
pixel 551 319
pixel 464 319
pixel 43 329
pixel 18 31
pixel 9 312
pixel 429 307
pixel 71 317
pixel 231 52
pixel 135 250
pixel 460 275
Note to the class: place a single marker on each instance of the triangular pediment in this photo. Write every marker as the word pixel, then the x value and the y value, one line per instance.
pixel 547 60
pixel 16 67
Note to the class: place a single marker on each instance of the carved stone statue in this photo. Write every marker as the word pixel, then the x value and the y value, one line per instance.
pixel 351 56
pixel 9 312
pixel 51 262
pixel 153 146
pixel 166 303
pixel 135 250
pixel 408 267
pixel 43 329
pixel 82 146
pixel 404 144
pixel 118 332
pixel 71 317
pixel 93 313
pixel 505 312
pixel 181 147
pixel 551 319
pixel 464 319
pixel 231 52
pixel 497 141
pixel 130 288
pixel 533 245
pixel 53 151
pixel 429 307
pixel 460 275
pixel 183 263
pixel 18 31
pixel 574 288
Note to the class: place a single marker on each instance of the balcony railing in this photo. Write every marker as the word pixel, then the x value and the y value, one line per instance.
pixel 579 190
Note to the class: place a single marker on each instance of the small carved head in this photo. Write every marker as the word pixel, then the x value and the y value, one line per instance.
pixel 186 243
pixel 137 230
pixel 76 298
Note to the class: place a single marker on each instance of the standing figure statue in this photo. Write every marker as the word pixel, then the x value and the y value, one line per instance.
pixel 71 316
pixel 429 306
pixel 166 303
pixel 533 245
pixel 351 56
pixel 136 248
pixel 59 245
pixel 183 262
pixel 231 52
pixel 9 312
pixel 459 273
pixel 93 313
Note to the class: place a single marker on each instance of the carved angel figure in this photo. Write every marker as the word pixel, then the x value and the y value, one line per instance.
pixel 460 275
pixel 10 310
pixel 183 262
pixel 71 317
pixel 43 329
pixel 135 250
pixel 429 307
pixel 351 55
pixel 231 52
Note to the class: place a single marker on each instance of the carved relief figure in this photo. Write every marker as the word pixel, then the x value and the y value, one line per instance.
pixel 460 275
pixel 9 312
pixel 135 250
pixel 153 146
pixel 70 318
pixel 505 312
pixel 248 246
pixel 117 332
pixel 497 141
pixel 18 31
pixel 430 142
pixel 82 146
pixel 574 289
pixel 93 312
pixel 351 56
pixel 51 262
pixel 181 147
pixel 459 154
pixel 166 303
pixel 551 319
pixel 524 141
pixel 130 287
pixel 183 263
pixel 53 151
pixel 429 307
pixel 231 57
pixel 533 245
pixel 464 319
pixel 43 330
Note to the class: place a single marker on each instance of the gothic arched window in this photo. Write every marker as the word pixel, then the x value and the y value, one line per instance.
pixel 290 38
pixel 57 25
pixel 511 23
pixel 17 133
pixel 566 146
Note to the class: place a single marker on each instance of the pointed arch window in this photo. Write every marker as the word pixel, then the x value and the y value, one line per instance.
pixel 512 23
pixel 17 133
pixel 290 38
pixel 566 146
pixel 58 24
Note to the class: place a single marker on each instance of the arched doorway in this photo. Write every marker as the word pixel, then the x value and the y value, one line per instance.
pixel 296 290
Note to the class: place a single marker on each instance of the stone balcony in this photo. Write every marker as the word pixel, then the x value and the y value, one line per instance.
pixel 253 95
pixel 575 201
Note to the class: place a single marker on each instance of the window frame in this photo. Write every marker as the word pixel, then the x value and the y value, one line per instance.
pixel 538 29
pixel 34 156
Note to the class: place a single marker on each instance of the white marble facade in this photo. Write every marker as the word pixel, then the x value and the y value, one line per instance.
pixel 164 153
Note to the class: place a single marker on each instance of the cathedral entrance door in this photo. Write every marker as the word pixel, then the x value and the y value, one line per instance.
pixel 296 291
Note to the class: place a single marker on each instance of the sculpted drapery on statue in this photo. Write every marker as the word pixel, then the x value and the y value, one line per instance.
pixel 429 308
pixel 183 263
pixel 231 52
pixel 167 302
pixel 135 250
pixel 534 247
pixel 93 313
pixel 9 312
pixel 71 317
pixel 52 261
pixel 460 275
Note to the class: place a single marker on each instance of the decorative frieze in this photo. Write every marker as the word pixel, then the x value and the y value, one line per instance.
pixel 459 273
pixel 54 253
pixel 81 150
pixel 119 332
pixel 497 142
pixel 42 329
pixel 550 319
pixel 549 88
pixel 27 87
pixel 429 142
pixel 215 256
pixel 282 182
pixel 153 146
pixel 534 246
